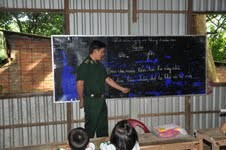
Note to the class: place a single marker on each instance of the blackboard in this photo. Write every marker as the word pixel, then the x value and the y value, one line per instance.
pixel 148 65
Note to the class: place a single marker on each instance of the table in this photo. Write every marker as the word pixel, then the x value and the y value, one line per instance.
pixel 212 135
pixel 149 141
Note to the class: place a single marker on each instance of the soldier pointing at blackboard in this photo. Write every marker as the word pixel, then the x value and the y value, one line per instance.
pixel 91 79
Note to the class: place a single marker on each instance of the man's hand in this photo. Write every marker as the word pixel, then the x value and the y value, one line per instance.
pixel 125 90
pixel 80 89
pixel 115 85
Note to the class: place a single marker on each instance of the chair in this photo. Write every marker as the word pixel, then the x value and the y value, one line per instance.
pixel 134 123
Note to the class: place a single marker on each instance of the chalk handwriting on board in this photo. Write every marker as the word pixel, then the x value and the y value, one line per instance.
pixel 149 66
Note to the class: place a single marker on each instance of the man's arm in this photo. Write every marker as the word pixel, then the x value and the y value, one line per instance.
pixel 80 90
pixel 115 85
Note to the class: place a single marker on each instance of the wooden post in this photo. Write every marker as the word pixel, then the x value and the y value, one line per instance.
pixel 66 17
pixel 67 31
pixel 188 114
pixel 187 98
pixel 69 117
pixel 189 17
pixel 134 11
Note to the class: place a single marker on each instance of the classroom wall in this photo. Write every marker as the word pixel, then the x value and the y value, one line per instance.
pixel 35 119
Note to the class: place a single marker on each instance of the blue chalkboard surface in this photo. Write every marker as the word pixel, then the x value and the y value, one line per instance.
pixel 148 65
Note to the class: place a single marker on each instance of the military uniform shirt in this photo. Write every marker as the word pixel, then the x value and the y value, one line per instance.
pixel 93 74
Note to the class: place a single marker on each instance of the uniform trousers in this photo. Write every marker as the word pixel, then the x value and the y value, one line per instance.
pixel 96 117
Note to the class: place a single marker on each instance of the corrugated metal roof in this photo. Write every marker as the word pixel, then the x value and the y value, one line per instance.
pixel 209 5
pixel 34 4
pixel 198 5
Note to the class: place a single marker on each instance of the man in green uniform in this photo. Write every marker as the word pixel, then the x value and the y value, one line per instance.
pixel 91 78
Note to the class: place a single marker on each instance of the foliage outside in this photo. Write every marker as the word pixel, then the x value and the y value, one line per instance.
pixel 47 24
pixel 39 23
pixel 3 54
pixel 216 34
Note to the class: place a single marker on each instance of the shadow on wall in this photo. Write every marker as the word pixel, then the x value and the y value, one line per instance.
pixel 30 70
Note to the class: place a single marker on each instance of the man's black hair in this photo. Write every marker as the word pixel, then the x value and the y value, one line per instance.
pixel 96 45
